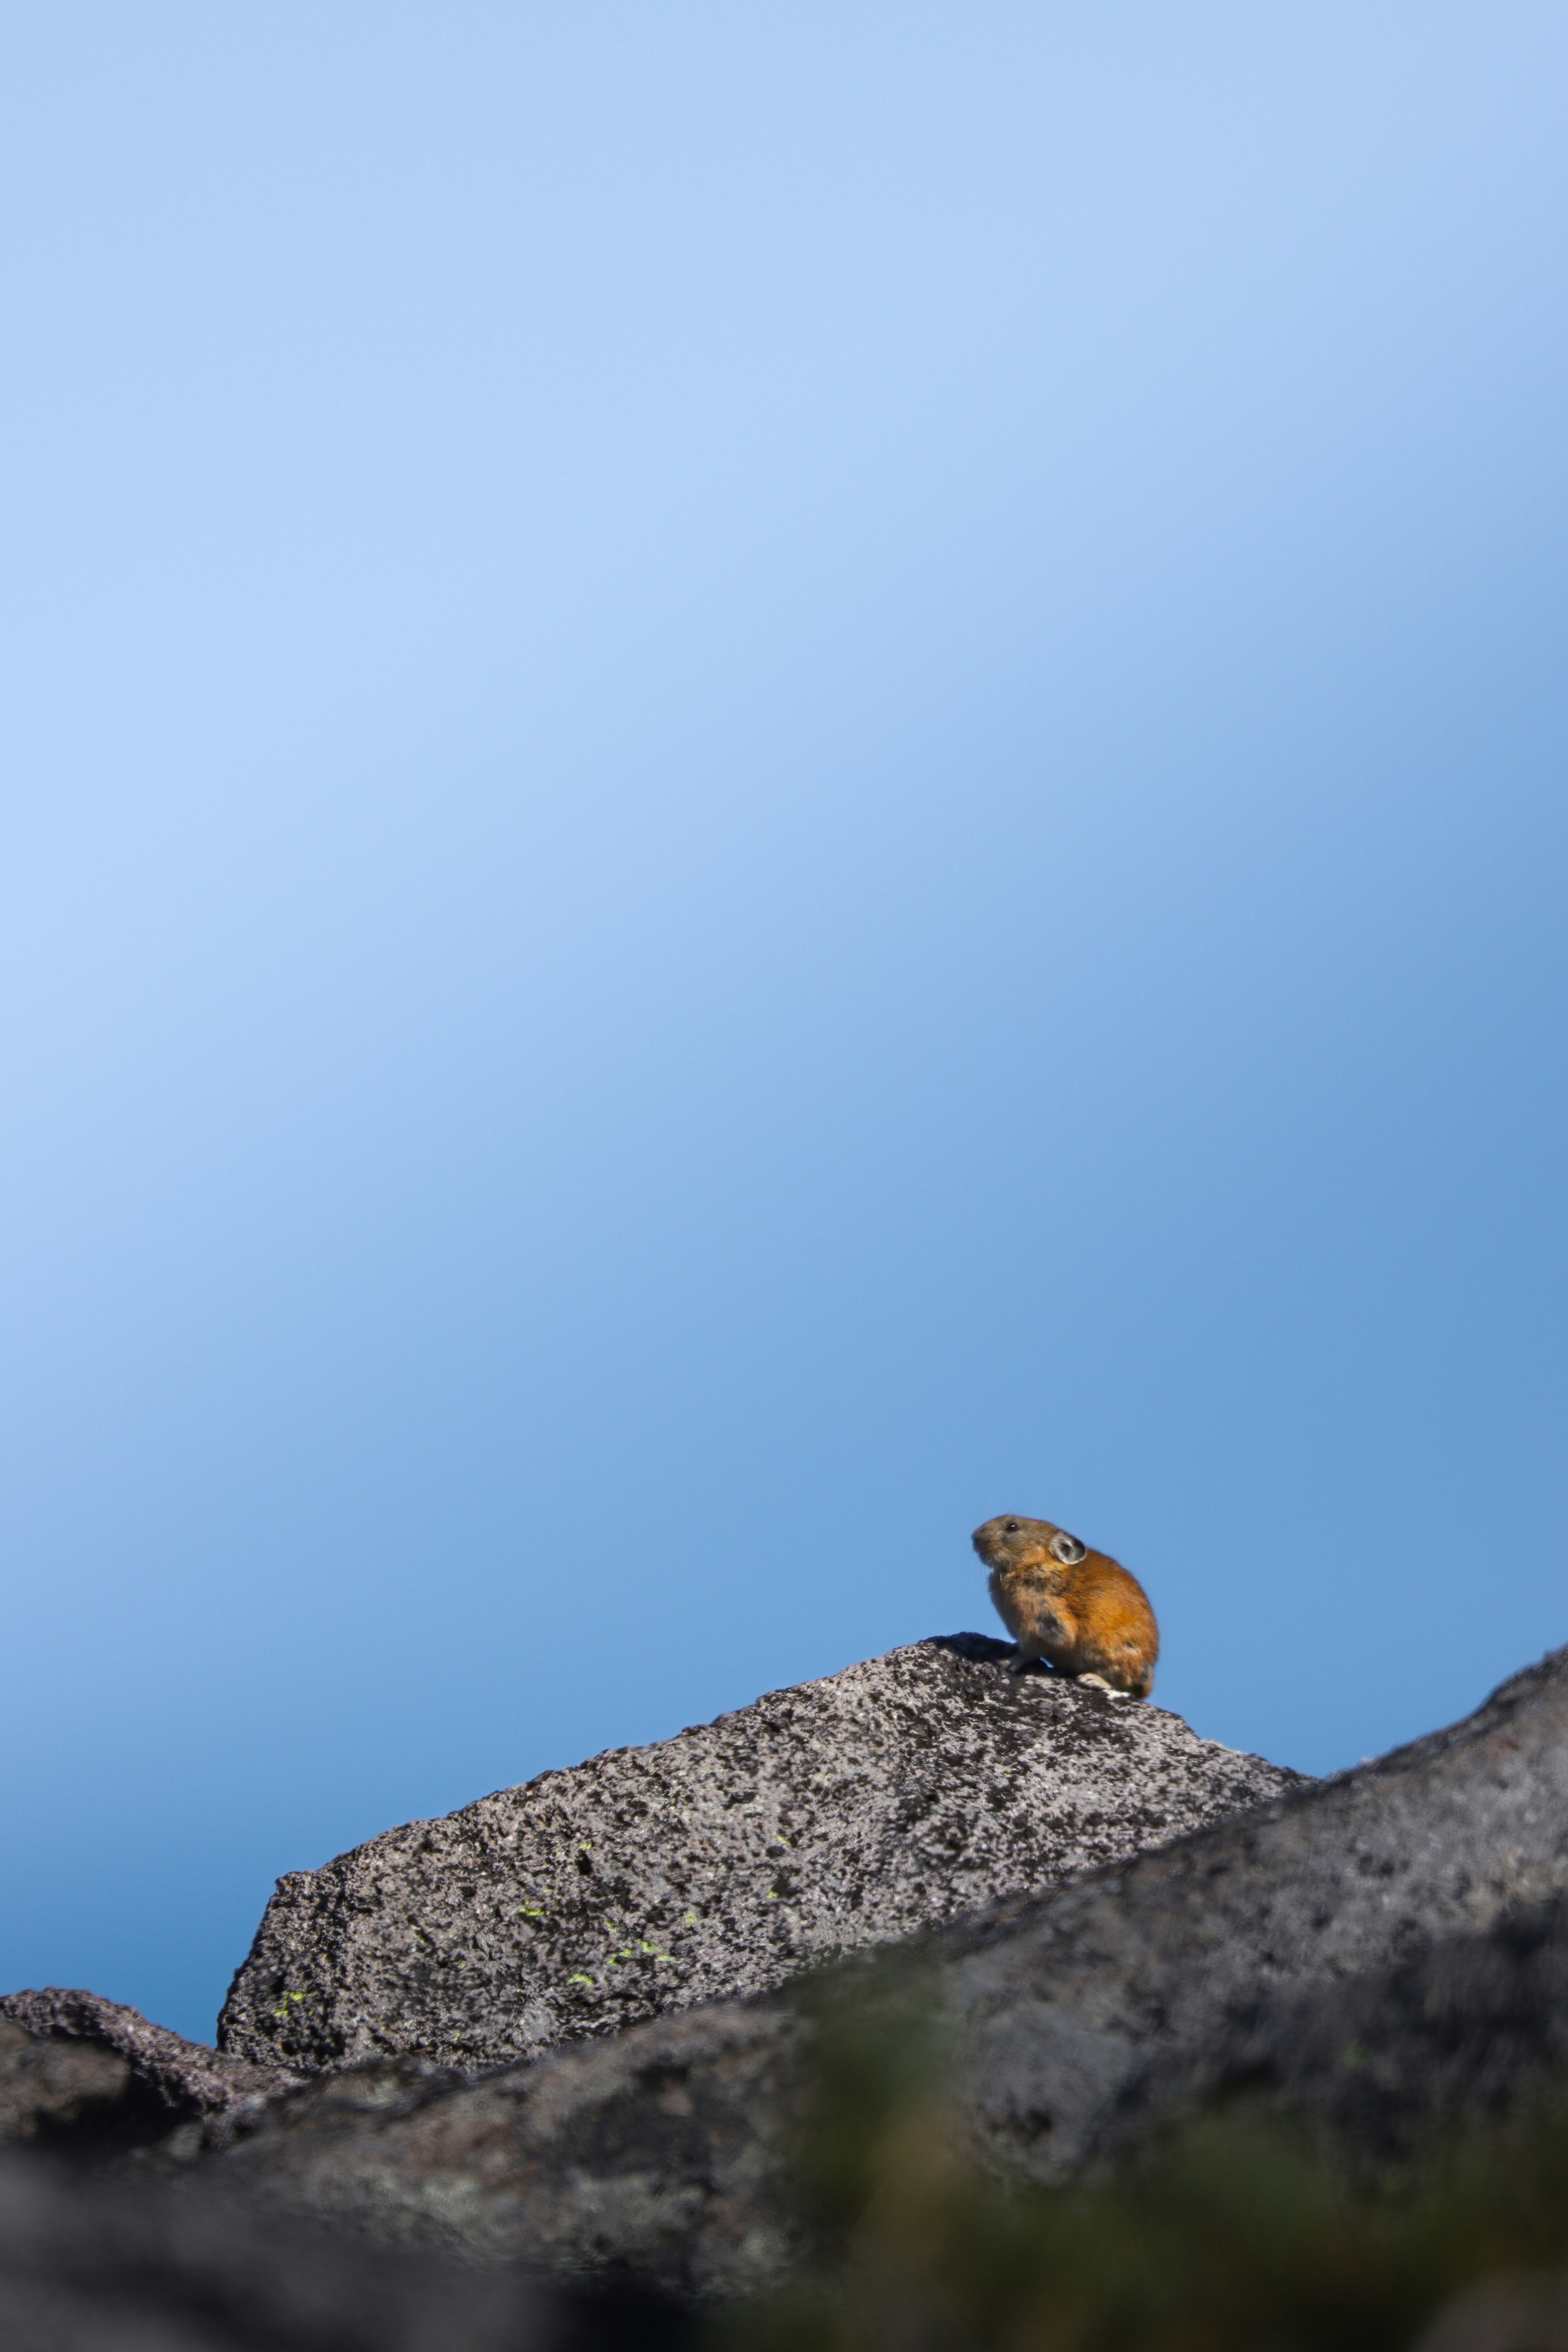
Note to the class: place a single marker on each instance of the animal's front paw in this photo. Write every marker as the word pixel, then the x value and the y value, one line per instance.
pixel 1097 1681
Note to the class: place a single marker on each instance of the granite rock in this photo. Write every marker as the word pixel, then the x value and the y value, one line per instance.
pixel 1089 2012
pixel 136 2081
pixel 1416 1901
pixel 883 1800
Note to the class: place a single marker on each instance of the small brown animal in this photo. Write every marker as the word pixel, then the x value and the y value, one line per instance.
pixel 1079 1609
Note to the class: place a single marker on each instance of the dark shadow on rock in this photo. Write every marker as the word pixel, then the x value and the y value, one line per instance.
pixel 91 2265
pixel 92 2076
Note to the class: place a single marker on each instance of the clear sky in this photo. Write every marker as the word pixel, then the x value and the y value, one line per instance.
pixel 772 775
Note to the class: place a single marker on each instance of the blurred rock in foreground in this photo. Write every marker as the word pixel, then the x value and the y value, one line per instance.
pixel 90 2265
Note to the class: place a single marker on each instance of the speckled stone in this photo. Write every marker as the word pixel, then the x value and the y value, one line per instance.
pixel 1370 1951
pixel 138 2079
pixel 1103 2008
pixel 890 1798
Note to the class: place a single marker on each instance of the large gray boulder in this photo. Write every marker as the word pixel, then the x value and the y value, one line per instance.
pixel 888 1799
pixel 1364 1946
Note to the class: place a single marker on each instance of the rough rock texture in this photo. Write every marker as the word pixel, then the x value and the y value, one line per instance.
pixel 94 2265
pixel 1086 2012
pixel 1456 2031
pixel 1357 1908
pixel 663 2154
pixel 148 2080
pixel 891 1797
pixel 55 2090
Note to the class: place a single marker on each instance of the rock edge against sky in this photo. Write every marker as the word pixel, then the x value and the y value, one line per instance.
pixel 888 1799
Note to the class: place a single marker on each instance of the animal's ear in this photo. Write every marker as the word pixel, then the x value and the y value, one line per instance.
pixel 1068 1549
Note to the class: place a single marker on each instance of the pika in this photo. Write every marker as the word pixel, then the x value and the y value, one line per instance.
pixel 1079 1609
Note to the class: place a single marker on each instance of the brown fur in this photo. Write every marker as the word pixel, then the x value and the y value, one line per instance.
pixel 1088 1617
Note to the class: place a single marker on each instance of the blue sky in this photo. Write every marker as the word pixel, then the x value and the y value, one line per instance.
pixel 772 776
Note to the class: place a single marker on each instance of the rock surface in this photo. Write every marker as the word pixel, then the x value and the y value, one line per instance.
pixel 97 2265
pixel 1373 1952
pixel 1413 1903
pixel 885 1799
pixel 134 2081
pixel 663 2154
pixel 1090 2011
pixel 1456 2031
pixel 57 2091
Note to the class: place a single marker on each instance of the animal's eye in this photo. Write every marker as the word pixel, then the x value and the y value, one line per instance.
pixel 1009 1526
pixel 1068 1549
